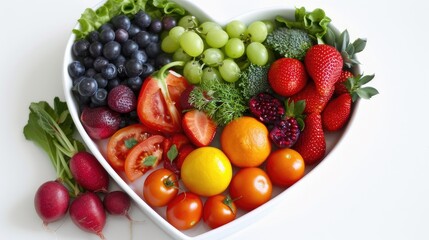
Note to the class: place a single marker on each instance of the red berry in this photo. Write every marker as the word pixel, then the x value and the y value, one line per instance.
pixel 287 76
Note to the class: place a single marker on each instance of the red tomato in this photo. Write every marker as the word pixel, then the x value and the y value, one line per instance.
pixel 251 187
pixel 158 103
pixel 285 167
pixel 121 143
pixel 185 210
pixel 219 210
pixel 176 147
pixel 143 156
pixel 160 187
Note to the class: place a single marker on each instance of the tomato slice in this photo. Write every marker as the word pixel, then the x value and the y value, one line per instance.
pixel 158 103
pixel 121 143
pixel 143 157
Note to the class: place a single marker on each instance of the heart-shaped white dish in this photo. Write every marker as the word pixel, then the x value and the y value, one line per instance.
pixel 201 231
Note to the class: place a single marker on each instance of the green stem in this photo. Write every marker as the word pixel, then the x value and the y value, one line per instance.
pixel 63 162
pixel 161 74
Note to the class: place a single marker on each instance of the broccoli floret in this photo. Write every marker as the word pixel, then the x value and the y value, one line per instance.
pixel 253 80
pixel 290 43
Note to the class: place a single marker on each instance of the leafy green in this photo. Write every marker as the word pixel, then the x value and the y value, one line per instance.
pixel 52 129
pixel 91 19
pixel 354 86
pixel 315 22
pixel 221 101
pixel 172 153
pixel 253 80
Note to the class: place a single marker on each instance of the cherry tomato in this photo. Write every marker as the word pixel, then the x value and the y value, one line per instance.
pixel 251 187
pixel 285 167
pixel 158 105
pixel 185 210
pixel 121 143
pixel 219 210
pixel 160 187
pixel 143 156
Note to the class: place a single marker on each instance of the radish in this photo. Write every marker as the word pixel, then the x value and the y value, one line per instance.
pixel 87 212
pixel 88 172
pixel 117 203
pixel 51 201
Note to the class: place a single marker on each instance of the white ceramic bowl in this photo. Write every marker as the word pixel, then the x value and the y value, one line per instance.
pixel 201 231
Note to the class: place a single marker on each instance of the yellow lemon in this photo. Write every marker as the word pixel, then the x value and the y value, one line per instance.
pixel 206 171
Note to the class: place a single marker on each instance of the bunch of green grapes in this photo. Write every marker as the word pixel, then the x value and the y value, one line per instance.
pixel 213 52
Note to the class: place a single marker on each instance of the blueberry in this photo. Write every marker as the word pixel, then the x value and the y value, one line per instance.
pixel 106 26
pixel 107 35
pixel 87 87
pixel 88 62
pixel 96 49
pixel 142 39
pixel 111 50
pixel 93 36
pixel 148 69
pixel 153 49
pixel 162 59
pixel 90 72
pixel 155 26
pixel 121 35
pixel 109 71
pixel 135 83
pixel 129 47
pixel 139 55
pixel 80 48
pixel 100 97
pixel 99 63
pixel 76 69
pixel 113 83
pixel 133 30
pixel 133 68
pixel 121 21
pixel 101 81
pixel 168 22
pixel 142 19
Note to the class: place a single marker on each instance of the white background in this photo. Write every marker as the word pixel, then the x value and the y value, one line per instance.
pixel 375 185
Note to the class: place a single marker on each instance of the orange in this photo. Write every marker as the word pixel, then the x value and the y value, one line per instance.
pixel 246 142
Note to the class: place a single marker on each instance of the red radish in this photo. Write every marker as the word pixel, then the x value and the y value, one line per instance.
pixel 51 201
pixel 87 212
pixel 88 172
pixel 117 203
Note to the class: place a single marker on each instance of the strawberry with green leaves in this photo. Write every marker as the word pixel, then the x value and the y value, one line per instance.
pixel 337 112
pixel 314 102
pixel 312 144
pixel 324 64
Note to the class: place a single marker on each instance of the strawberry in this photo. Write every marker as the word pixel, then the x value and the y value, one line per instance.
pixel 324 64
pixel 287 76
pixel 198 127
pixel 340 85
pixel 312 144
pixel 314 103
pixel 337 112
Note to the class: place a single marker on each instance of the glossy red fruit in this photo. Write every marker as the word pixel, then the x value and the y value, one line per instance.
pixel 88 172
pixel 314 102
pixel 266 108
pixel 287 76
pixel 122 99
pixel 100 122
pixel 324 64
pixel 340 86
pixel 337 112
pixel 199 128
pixel 51 201
pixel 312 144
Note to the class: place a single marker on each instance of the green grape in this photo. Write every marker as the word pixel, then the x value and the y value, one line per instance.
pixel 191 43
pixel 217 38
pixel 270 26
pixel 176 32
pixel 205 27
pixel 211 74
pixel 180 55
pixel 257 31
pixel 212 56
pixel 235 28
pixel 234 48
pixel 229 70
pixel 193 72
pixel 169 44
pixel 188 22
pixel 257 53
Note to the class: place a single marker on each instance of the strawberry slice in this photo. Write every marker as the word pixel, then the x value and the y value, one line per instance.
pixel 199 128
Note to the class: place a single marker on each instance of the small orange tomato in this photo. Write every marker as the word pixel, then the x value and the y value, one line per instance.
pixel 219 210
pixel 251 187
pixel 160 187
pixel 285 167
pixel 184 211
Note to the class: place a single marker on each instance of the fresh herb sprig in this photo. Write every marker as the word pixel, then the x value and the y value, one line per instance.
pixel 52 129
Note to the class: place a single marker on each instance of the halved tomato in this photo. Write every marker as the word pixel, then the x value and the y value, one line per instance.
pixel 121 143
pixel 143 157
pixel 158 103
